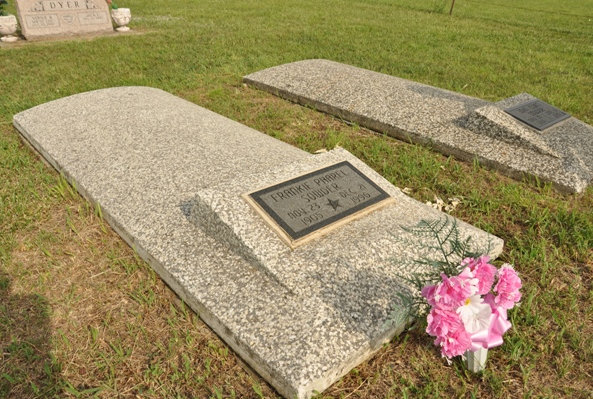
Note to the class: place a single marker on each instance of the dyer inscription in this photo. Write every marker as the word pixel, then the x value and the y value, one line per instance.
pixel 307 204
pixel 47 18
pixel 538 114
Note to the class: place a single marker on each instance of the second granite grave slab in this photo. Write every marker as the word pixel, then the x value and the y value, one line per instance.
pixel 466 127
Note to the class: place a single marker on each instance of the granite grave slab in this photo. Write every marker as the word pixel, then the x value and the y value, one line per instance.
pixel 540 141
pixel 171 179
pixel 54 18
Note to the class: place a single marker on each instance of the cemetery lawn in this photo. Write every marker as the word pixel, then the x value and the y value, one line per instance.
pixel 81 315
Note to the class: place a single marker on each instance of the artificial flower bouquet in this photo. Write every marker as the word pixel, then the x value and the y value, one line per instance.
pixel 468 311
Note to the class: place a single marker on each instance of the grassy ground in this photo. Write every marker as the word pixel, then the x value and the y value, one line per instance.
pixel 82 316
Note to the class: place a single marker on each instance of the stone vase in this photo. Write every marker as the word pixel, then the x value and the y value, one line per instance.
pixel 476 361
pixel 121 17
pixel 8 26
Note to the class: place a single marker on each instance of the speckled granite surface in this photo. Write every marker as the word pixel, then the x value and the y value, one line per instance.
pixel 452 123
pixel 168 175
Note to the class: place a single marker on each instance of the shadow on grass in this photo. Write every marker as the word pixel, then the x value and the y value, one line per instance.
pixel 27 369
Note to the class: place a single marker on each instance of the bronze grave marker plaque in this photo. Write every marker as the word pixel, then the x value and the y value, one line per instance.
pixel 538 114
pixel 310 205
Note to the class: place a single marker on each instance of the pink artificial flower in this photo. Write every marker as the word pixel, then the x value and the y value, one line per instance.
pixel 442 321
pixel 489 299
pixel 428 293
pixel 472 262
pixel 453 291
pixel 464 314
pixel 484 272
pixel 456 343
pixel 468 276
pixel 507 287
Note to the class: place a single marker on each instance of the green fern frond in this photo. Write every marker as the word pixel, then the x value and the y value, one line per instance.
pixel 444 240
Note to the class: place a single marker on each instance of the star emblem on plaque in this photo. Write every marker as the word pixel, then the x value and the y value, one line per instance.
pixel 333 203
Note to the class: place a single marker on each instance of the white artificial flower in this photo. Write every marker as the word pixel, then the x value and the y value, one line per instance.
pixel 475 314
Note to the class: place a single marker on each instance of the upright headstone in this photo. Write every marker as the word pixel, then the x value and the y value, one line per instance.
pixel 53 18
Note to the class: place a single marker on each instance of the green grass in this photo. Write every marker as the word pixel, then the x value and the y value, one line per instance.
pixel 82 316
